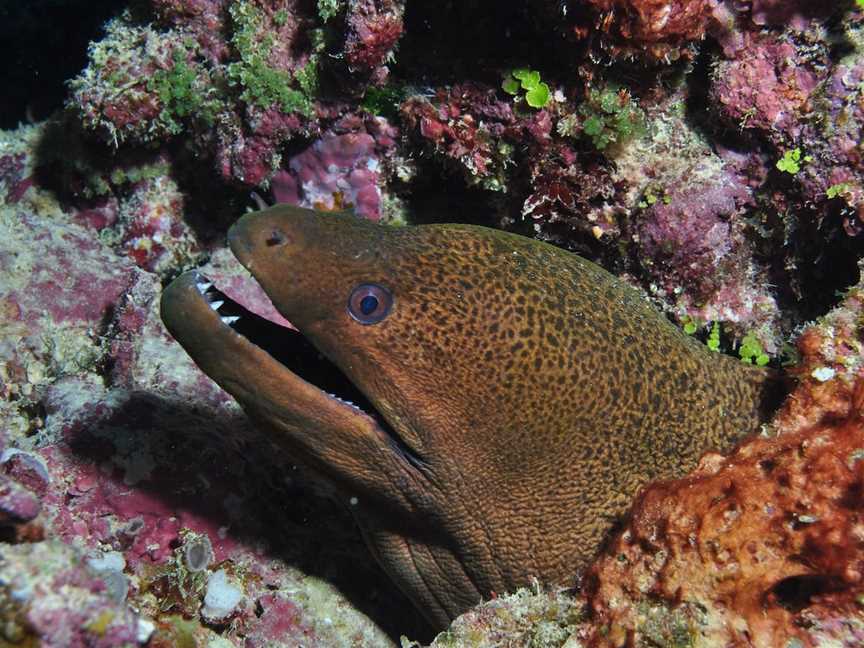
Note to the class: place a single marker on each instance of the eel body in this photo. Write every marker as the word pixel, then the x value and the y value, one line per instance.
pixel 509 397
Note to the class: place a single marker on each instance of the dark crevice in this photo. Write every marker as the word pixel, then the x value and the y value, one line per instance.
pixel 46 44
pixel 798 592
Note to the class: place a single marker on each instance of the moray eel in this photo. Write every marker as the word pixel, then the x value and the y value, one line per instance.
pixel 507 398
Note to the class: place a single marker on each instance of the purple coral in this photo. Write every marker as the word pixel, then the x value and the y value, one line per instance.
pixel 767 87
pixel 340 170
pixel 692 246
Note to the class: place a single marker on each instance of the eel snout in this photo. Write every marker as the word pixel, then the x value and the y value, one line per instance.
pixel 256 360
pixel 282 380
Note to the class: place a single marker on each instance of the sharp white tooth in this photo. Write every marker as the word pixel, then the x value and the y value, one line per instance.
pixel 203 287
pixel 230 319
pixel 216 305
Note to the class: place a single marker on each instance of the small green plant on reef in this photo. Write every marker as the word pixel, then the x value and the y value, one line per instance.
pixel 384 101
pixel 751 351
pixel 652 195
pixel 329 8
pixel 130 175
pixel 690 325
pixel 792 161
pixel 713 342
pixel 537 94
pixel 840 188
pixel 610 115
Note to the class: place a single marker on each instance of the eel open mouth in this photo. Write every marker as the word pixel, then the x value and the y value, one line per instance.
pixel 238 348
pixel 288 347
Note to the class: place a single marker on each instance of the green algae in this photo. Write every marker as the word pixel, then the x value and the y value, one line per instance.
pixel 611 116
pixel 182 94
pixel 261 84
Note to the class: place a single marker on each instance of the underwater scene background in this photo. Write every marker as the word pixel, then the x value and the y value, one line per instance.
pixel 706 152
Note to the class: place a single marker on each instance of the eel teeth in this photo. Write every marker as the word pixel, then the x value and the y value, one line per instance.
pixel 345 402
pixel 216 305
pixel 203 286
pixel 230 319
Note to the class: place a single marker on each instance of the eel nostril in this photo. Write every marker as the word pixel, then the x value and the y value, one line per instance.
pixel 276 237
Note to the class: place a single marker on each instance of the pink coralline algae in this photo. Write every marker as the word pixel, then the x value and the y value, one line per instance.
pixel 833 142
pixel 688 238
pixel 786 12
pixel 695 252
pixel 768 87
pixel 690 233
pixel 151 223
pixel 341 170
pixel 24 481
pixel 17 503
pixel 13 177
pixel 26 469
pixel 204 19
pixel 49 592
pixel 52 303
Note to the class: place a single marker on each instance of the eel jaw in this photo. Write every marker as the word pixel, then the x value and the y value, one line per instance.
pixel 257 362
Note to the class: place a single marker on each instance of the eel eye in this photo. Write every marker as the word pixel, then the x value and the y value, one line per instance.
pixel 369 303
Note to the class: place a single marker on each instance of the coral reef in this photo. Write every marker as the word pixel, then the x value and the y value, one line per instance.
pixel 270 92
pixel 341 170
pixel 243 75
pixel 525 618
pixel 708 152
pixel 51 592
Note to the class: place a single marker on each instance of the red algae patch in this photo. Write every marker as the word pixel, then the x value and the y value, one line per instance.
pixel 765 543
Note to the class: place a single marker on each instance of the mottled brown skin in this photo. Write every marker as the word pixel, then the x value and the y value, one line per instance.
pixel 539 391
